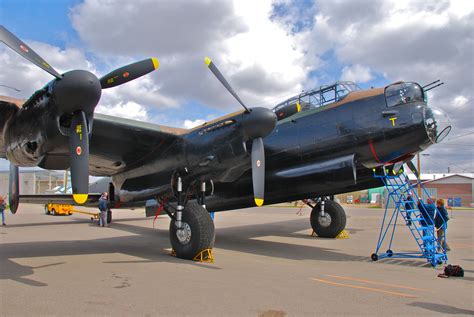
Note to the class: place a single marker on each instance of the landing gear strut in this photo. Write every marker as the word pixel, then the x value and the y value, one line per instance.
pixel 328 218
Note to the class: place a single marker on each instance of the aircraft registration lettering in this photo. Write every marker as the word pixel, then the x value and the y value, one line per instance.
pixel 393 121
pixel 111 79
pixel 79 131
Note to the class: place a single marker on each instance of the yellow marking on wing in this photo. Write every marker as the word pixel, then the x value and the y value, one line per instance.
pixel 258 202
pixel 208 61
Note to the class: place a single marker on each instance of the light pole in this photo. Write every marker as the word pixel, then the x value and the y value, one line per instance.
pixel 418 166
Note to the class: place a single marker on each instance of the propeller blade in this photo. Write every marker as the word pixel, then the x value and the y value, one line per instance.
pixel 14 189
pixel 79 152
pixel 412 167
pixel 127 73
pixel 24 50
pixel 224 82
pixel 258 171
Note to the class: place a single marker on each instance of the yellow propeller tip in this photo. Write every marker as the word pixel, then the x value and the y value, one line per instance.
pixel 80 198
pixel 156 64
pixel 258 202
pixel 208 61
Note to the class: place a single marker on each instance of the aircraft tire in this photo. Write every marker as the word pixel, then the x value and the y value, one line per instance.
pixel 336 223
pixel 197 220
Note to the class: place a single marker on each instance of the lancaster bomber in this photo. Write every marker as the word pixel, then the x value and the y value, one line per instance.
pixel 314 145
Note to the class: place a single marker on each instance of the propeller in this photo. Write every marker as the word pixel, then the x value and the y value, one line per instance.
pixel 24 50
pixel 256 123
pixel 412 167
pixel 224 82
pixel 258 171
pixel 14 189
pixel 79 149
pixel 76 94
pixel 127 73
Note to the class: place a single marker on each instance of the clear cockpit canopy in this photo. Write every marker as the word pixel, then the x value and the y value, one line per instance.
pixel 437 124
pixel 318 97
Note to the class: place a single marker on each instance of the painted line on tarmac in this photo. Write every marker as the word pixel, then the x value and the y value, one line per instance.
pixel 379 283
pixel 365 288
pixel 461 245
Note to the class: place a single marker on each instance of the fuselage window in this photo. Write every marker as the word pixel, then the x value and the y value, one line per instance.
pixel 403 93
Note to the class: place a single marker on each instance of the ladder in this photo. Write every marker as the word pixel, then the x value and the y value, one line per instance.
pixel 407 207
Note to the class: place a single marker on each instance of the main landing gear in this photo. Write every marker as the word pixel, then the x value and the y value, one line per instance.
pixel 327 218
pixel 191 227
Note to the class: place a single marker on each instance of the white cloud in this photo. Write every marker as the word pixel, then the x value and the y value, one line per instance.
pixel 189 124
pixel 460 101
pixel 257 56
pixel 357 73
pixel 130 110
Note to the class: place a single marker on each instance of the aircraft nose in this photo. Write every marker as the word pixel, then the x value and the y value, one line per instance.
pixel 437 124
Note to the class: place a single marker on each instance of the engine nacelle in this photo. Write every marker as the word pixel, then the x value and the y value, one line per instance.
pixel 25 132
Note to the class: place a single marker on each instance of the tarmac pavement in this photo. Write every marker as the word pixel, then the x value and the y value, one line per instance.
pixel 266 264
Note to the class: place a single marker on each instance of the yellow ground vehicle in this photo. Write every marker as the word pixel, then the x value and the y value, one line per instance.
pixel 58 209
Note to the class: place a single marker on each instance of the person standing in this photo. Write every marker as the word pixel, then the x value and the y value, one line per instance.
pixel 441 223
pixel 3 206
pixel 428 211
pixel 103 207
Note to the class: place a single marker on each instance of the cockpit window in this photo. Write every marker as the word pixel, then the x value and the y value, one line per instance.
pixel 402 93
pixel 315 98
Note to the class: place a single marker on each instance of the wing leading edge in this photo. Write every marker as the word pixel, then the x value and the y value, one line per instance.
pixel 119 144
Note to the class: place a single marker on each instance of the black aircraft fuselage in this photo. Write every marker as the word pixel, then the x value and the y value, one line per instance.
pixel 320 151
pixel 317 152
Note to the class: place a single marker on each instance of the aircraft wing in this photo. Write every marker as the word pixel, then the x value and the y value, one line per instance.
pixel 58 199
pixel 118 144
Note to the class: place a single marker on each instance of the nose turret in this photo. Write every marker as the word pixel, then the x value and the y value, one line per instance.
pixel 437 124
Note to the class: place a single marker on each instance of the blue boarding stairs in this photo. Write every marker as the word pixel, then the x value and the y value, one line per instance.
pixel 420 224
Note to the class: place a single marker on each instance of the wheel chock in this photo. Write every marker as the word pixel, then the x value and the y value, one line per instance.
pixel 205 256
pixel 343 235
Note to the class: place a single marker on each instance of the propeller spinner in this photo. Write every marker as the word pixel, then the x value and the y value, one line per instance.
pixel 77 93
pixel 259 123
